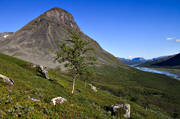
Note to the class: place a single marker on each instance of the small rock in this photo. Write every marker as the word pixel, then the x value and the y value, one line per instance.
pixel 6 79
pixel 115 108
pixel 93 88
pixel 42 70
pixel 35 100
pixel 126 107
pixel 58 100
pixel 71 105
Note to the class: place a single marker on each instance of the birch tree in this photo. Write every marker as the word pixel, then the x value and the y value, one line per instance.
pixel 73 53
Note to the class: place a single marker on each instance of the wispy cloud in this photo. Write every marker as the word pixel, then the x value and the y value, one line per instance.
pixel 170 38
pixel 130 56
pixel 177 40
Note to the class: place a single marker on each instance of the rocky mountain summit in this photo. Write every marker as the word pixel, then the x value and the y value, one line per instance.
pixel 37 41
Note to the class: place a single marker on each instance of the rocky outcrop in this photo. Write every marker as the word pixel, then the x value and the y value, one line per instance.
pixel 6 79
pixel 42 70
pixel 119 109
pixel 58 100
pixel 93 88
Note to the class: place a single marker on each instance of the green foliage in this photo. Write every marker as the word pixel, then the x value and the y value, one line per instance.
pixel 73 53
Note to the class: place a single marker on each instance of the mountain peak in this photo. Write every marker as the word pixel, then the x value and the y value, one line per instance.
pixel 56 9
pixel 37 41
pixel 61 16
pixel 59 13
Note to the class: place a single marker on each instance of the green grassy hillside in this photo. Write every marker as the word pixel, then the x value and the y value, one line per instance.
pixel 151 96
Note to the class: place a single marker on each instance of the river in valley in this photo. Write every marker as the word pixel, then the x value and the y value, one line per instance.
pixel 159 72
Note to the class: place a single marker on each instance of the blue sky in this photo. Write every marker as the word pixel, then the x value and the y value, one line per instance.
pixel 125 28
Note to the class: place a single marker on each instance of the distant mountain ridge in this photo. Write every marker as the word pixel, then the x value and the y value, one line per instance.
pixel 164 61
pixel 134 61
pixel 138 59
pixel 173 61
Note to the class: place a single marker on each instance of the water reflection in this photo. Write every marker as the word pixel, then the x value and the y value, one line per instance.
pixel 158 72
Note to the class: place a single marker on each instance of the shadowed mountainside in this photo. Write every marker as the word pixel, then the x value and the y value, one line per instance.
pixel 171 62
pixel 149 63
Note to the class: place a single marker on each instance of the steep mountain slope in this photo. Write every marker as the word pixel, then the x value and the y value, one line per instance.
pixel 37 41
pixel 171 62
pixel 115 85
pixel 149 63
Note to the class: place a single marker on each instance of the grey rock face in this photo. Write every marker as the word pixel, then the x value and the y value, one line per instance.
pixel 6 79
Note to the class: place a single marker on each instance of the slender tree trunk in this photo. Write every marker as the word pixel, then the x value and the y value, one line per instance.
pixel 85 83
pixel 74 79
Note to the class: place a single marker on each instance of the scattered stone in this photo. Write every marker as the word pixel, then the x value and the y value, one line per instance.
pixel 58 100
pixel 42 70
pixel 71 105
pixel 93 88
pixel 35 100
pixel 6 79
pixel 117 109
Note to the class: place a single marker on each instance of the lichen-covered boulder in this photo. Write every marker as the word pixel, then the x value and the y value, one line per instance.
pixel 6 79
pixel 58 100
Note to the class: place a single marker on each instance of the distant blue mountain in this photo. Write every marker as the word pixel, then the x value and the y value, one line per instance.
pixel 140 59
pixel 134 61
pixel 157 58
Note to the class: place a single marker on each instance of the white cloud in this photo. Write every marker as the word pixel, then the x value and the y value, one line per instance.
pixel 177 40
pixel 130 56
pixel 170 38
